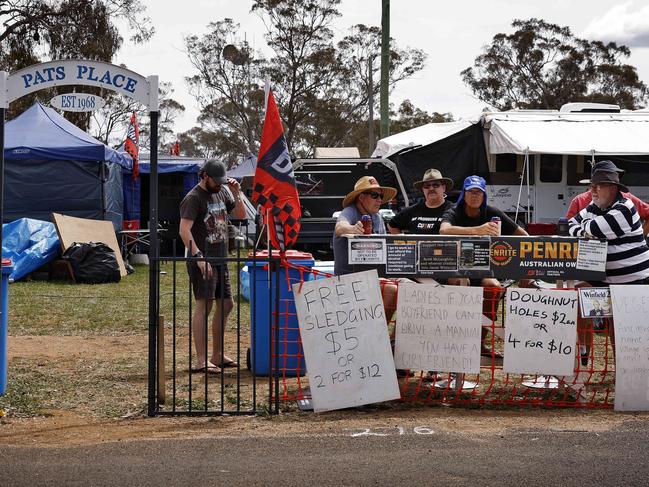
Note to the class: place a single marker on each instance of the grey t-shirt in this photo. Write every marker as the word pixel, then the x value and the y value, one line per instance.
pixel 352 216
pixel 209 211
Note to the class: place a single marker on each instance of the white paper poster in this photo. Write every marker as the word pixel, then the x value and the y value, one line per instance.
pixel 438 328
pixel 540 331
pixel 631 312
pixel 591 255
pixel 345 339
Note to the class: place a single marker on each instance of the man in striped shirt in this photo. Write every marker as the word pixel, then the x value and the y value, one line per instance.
pixel 615 218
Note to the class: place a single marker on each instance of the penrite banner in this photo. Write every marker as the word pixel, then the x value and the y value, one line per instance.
pixel 548 258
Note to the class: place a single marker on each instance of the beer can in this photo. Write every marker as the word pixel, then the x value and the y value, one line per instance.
pixel 496 220
pixel 367 224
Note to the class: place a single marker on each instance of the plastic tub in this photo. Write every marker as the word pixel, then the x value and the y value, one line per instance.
pixel 291 356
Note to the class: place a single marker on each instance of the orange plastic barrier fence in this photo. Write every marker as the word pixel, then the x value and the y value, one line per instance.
pixel 591 386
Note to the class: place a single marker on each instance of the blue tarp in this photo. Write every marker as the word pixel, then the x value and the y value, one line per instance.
pixel 51 165
pixel 29 244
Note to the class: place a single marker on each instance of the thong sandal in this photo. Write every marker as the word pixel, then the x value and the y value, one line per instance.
pixel 209 369
pixel 228 364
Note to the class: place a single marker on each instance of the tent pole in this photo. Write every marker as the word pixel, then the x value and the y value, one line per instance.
pixel 529 208
pixel 520 191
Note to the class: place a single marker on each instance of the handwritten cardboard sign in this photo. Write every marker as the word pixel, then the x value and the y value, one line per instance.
pixel 345 340
pixel 631 309
pixel 438 328
pixel 540 331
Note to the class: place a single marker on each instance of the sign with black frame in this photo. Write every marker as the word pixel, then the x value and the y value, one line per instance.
pixel 525 257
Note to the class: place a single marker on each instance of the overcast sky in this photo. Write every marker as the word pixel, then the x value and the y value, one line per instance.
pixel 451 33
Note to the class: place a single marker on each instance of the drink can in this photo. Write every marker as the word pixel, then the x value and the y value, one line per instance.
pixel 367 224
pixel 496 220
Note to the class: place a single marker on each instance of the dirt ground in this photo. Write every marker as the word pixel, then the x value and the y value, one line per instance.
pixel 75 427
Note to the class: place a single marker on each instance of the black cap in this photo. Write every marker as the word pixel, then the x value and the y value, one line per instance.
pixel 216 170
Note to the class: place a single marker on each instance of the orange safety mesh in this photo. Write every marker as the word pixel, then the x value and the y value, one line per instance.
pixel 591 386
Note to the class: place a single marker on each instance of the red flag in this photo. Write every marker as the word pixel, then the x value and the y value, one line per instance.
pixel 131 145
pixel 176 149
pixel 274 185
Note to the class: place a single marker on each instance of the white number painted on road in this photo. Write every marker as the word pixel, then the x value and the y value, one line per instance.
pixel 390 431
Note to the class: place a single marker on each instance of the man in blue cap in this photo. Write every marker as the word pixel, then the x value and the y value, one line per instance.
pixel 472 216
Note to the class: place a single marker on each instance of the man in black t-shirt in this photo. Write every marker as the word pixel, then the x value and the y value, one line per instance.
pixel 472 216
pixel 425 217
pixel 204 230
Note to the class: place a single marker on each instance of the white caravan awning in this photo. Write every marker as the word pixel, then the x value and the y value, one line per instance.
pixel 575 134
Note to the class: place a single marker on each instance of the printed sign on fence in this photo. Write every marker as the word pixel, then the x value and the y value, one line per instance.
pixel 438 328
pixel 595 302
pixel 592 255
pixel 366 251
pixel 631 309
pixel 345 340
pixel 540 331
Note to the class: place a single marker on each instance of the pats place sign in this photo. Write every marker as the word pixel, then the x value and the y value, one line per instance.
pixel 79 72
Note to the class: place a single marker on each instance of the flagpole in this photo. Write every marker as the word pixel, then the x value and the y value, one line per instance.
pixel 270 251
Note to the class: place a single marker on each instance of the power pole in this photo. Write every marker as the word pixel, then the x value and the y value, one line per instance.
pixel 370 101
pixel 385 67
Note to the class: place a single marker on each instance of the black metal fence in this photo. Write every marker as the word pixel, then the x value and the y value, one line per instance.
pixel 249 335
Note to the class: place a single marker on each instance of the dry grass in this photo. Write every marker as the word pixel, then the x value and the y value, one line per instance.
pixel 84 348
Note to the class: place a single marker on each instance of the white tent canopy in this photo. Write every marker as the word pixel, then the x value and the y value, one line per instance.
pixel 624 133
pixel 419 136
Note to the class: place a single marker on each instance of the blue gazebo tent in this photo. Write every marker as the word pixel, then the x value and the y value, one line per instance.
pixel 176 176
pixel 51 165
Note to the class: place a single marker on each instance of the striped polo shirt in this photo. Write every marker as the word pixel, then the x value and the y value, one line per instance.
pixel 627 259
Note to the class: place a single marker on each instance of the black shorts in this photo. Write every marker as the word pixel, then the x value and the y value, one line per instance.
pixel 217 287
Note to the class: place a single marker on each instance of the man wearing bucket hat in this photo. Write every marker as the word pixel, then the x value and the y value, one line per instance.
pixel 472 216
pixel 204 230
pixel 366 199
pixel 613 217
pixel 582 200
pixel 425 217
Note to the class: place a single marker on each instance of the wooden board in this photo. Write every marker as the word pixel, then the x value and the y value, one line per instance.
pixel 84 230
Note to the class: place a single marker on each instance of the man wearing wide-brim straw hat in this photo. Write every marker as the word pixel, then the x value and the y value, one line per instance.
pixel 366 199
pixel 425 216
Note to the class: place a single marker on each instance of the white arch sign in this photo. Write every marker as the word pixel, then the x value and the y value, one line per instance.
pixel 79 72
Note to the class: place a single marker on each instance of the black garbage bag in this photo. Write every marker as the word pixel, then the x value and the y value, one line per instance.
pixel 93 262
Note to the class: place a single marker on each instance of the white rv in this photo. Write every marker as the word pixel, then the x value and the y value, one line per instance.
pixel 536 158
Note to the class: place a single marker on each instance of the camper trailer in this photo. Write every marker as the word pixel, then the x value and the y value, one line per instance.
pixel 322 184
pixel 532 159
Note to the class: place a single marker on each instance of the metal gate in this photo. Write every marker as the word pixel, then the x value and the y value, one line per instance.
pixel 249 337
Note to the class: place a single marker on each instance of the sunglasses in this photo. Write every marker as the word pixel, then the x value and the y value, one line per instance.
pixel 431 185
pixel 374 195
